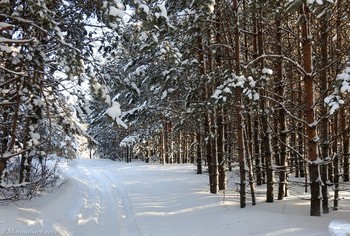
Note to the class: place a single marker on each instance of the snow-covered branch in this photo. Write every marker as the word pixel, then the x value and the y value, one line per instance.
pixel 15 41
pixel 246 83
pixel 19 19
pixel 342 86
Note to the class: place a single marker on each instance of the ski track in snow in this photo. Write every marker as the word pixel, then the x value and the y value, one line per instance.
pixel 107 202
pixel 91 203
pixel 90 212
pixel 122 211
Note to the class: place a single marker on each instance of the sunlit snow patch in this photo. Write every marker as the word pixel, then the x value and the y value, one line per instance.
pixel 339 228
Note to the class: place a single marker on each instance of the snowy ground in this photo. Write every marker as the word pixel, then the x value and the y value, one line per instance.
pixel 107 198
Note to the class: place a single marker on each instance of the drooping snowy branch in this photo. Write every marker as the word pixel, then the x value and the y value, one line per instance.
pixel 115 112
pixel 130 140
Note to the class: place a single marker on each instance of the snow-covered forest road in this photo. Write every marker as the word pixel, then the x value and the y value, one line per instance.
pixel 102 197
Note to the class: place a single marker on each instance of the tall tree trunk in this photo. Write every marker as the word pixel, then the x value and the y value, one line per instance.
pixel 310 112
pixel 266 140
pixel 219 127
pixel 345 125
pixel 259 170
pixel 239 119
pixel 300 127
pixel 202 122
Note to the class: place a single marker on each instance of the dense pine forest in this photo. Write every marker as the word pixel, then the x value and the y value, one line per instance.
pixel 260 86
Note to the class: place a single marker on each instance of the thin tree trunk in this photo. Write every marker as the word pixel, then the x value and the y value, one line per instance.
pixel 335 164
pixel 182 146
pixel 345 136
pixel 214 175
pixel 324 113
pixel 165 157
pixel 259 170
pixel 249 159
pixel 207 125
pixel 282 189
pixel 336 182
pixel 199 150
pixel 220 150
pixel 256 145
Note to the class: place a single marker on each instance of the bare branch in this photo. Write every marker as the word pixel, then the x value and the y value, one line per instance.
pixel 286 110
pixel 13 72
pixel 299 67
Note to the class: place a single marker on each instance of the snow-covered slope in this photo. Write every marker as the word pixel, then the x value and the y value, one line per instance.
pixel 107 198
